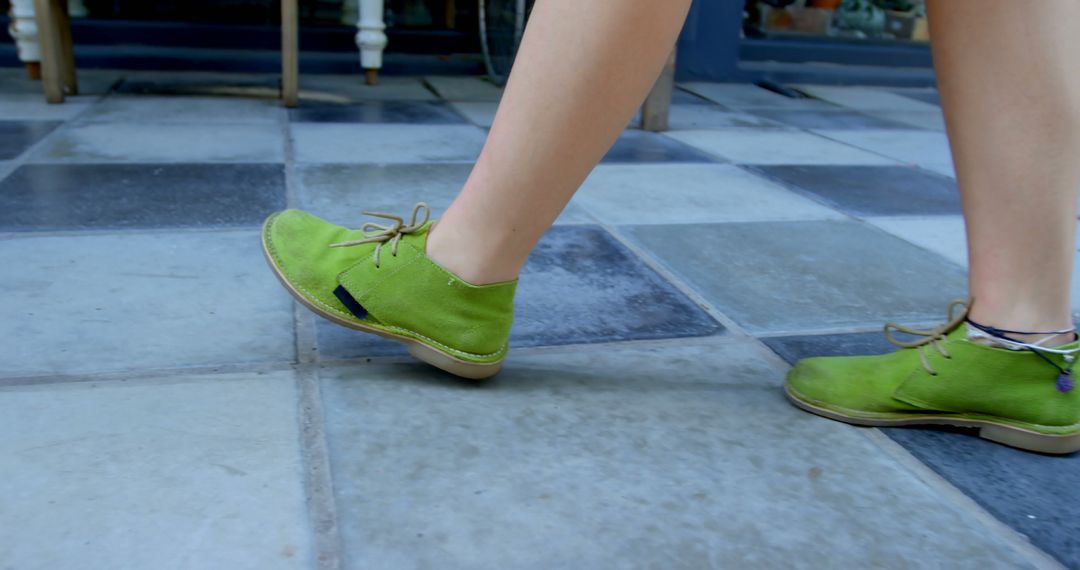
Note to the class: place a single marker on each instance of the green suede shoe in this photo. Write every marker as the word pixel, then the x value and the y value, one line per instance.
pixel 378 279
pixel 1013 397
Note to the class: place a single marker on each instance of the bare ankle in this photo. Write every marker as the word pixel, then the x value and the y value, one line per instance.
pixel 468 260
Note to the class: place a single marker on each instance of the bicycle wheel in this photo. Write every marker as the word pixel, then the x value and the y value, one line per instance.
pixel 502 23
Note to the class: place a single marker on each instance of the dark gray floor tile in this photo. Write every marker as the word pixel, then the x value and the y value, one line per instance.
pixel 806 276
pixel 827 119
pixel 199 83
pixel 1035 494
pixel 871 190
pixel 579 286
pixel 640 146
pixel 412 112
pixel 74 196
pixel 17 136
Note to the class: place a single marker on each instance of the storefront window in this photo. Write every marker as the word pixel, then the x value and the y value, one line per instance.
pixel 889 20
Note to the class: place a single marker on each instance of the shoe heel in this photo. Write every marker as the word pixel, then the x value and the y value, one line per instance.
pixel 452 365
pixel 1054 444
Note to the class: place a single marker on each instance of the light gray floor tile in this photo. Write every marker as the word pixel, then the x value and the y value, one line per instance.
pixel 386 143
pixel 340 192
pixel 865 98
pixel 945 236
pixel 712 116
pixel 929 150
pixel 142 142
pixel 479 113
pixel 929 120
pixel 185 472
pixel 804 276
pixel 32 107
pixel 139 300
pixel 775 146
pixel 348 88
pixel 676 456
pixel 200 110
pixel 687 193
pixel 91 81
pixel 464 88
pixel 746 96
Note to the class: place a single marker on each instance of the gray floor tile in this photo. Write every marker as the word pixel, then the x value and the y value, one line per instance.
pixel 945 236
pixel 925 95
pixel 341 192
pixel 676 456
pixel 197 110
pixel 91 81
pixel 688 193
pixel 928 120
pixel 804 276
pixel 32 107
pixel 926 149
pixel 410 112
pixel 840 119
pixel 167 142
pixel 865 98
pixel 775 146
pixel 698 116
pixel 640 146
pixel 871 190
pixel 346 88
pixel 182 472
pixel 375 144
pixel 579 286
pixel 746 96
pixel 1032 493
pixel 464 88
pixel 479 113
pixel 17 136
pixel 204 83
pixel 82 196
pixel 139 300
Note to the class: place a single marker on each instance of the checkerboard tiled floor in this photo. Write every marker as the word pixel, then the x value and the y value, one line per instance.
pixel 164 404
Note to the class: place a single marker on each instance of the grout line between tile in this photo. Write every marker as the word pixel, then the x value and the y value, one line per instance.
pixel 144 374
pixel 962 503
pixel 318 480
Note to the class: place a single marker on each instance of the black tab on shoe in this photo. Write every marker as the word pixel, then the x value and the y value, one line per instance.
pixel 347 299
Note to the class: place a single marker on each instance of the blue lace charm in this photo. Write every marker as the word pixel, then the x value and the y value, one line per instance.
pixel 1064 383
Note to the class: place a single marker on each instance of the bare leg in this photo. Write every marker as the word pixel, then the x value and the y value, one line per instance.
pixel 582 70
pixel 1010 88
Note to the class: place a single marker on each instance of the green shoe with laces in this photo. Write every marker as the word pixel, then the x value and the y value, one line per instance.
pixel 379 279
pixel 1016 397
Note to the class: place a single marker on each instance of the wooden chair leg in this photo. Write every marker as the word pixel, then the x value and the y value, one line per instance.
pixel 654 112
pixel 67 53
pixel 49 37
pixel 290 53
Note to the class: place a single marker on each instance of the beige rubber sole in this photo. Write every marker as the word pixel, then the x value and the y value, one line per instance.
pixel 419 350
pixel 1001 433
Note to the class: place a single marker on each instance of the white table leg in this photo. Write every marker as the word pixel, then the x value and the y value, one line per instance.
pixel 24 30
pixel 371 38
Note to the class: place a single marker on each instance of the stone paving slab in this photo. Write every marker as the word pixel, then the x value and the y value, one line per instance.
pixel 635 146
pixel 579 286
pixel 32 107
pixel 1032 493
pixel 341 192
pixel 138 300
pixel 744 96
pixel 163 142
pixel 870 190
pixel 817 119
pixel 112 196
pixel 199 110
pixel 689 193
pixel 775 146
pixel 386 143
pixel 186 472
pixel 866 98
pixel 18 136
pixel 929 150
pixel 833 273
pixel 404 112
pixel 679 455
pixel 462 88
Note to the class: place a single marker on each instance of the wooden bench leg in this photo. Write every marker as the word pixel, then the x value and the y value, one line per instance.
pixel 290 53
pixel 67 52
pixel 654 112
pixel 52 77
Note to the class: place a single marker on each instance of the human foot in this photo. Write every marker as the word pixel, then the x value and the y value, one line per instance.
pixel 379 279
pixel 1016 397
